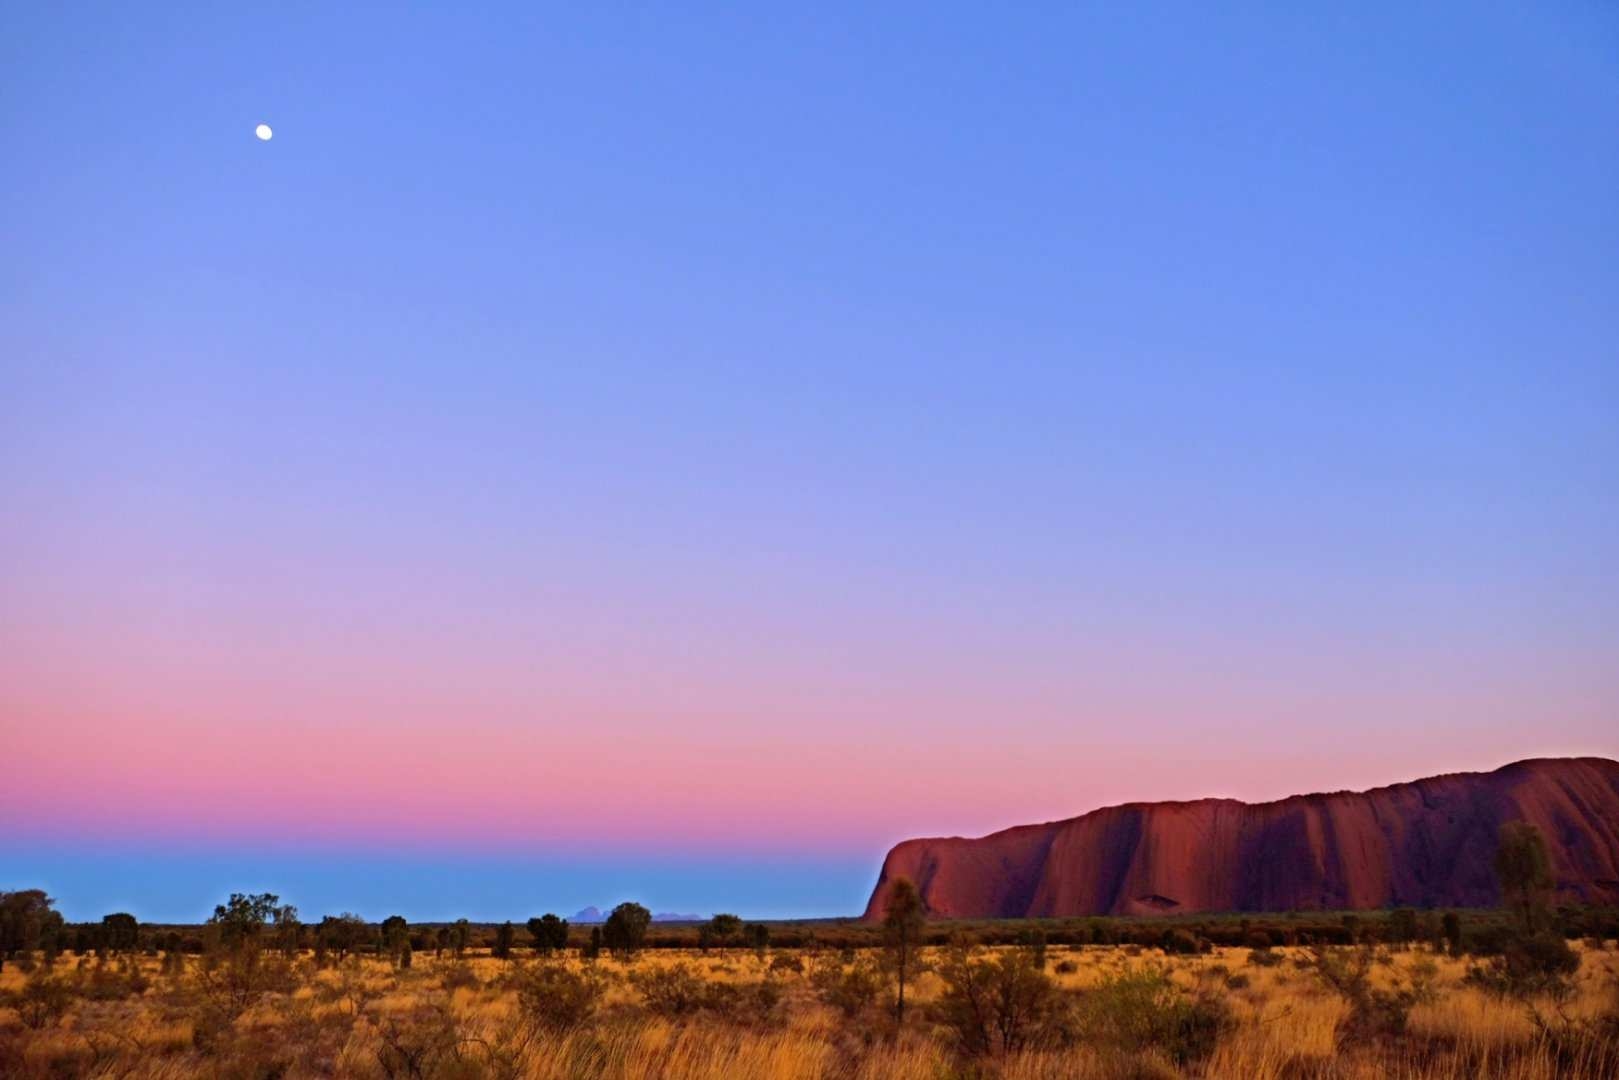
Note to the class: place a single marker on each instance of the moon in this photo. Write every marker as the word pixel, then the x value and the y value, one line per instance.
pixel 263 132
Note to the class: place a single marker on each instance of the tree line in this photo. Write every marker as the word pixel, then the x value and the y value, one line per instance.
pixel 29 923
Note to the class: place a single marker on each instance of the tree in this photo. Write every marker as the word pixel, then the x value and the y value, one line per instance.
pixel 395 937
pixel 460 937
pixel 1402 925
pixel 758 936
pixel 120 931
pixel 505 937
pixel 1451 927
pixel 625 928
pixel 549 932
pixel 996 1004
pixel 236 974
pixel 340 933
pixel 289 931
pixel 723 928
pixel 25 917
pixel 242 918
pixel 594 949
pixel 1525 872
pixel 902 938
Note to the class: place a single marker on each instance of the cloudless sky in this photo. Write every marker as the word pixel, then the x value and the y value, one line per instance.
pixel 673 453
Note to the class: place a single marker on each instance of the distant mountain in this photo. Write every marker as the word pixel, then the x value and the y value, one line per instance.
pixel 1428 843
pixel 594 914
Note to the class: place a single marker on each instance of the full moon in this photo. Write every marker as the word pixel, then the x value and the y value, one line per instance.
pixel 263 132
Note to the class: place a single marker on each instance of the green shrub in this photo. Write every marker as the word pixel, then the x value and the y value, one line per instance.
pixel 1529 964
pixel 674 990
pixel 1373 1013
pixel 553 997
pixel 997 1005
pixel 1144 1010
pixel 42 1001
pixel 420 1043
pixel 851 990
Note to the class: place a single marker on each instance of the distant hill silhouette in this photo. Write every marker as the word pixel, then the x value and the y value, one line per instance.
pixel 593 914
pixel 1428 843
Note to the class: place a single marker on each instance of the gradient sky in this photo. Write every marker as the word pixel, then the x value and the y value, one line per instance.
pixel 598 453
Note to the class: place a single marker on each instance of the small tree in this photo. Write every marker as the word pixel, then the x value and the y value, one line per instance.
pixel 1525 873
pixel 341 934
pixel 549 932
pixel 1001 1004
pixel 241 920
pixel 1451 928
pixel 395 938
pixel 460 937
pixel 594 948
pixel 235 975
pixel 505 938
pixel 625 929
pixel 289 931
pixel 25 918
pixel 758 936
pixel 902 939
pixel 120 931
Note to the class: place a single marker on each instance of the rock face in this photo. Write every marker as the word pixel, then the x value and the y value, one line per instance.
pixel 1429 843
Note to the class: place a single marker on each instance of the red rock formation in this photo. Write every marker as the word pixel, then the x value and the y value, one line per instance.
pixel 1429 843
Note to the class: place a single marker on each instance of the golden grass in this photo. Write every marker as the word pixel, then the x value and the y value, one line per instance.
pixel 1286 1024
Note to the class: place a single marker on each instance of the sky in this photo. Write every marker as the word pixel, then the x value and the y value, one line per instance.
pixel 674 452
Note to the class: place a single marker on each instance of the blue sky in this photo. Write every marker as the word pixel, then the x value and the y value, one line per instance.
pixel 759 436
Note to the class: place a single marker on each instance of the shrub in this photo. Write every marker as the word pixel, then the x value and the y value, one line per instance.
pixel 416 1044
pixel 1066 967
pixel 106 984
pixel 42 1001
pixel 1373 1012
pixel 460 976
pixel 851 990
pixel 753 1002
pixel 1529 964
pixel 556 998
pixel 786 962
pixel 1001 1004
pixel 1264 957
pixel 1143 1010
pixel 1237 981
pixel 675 990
